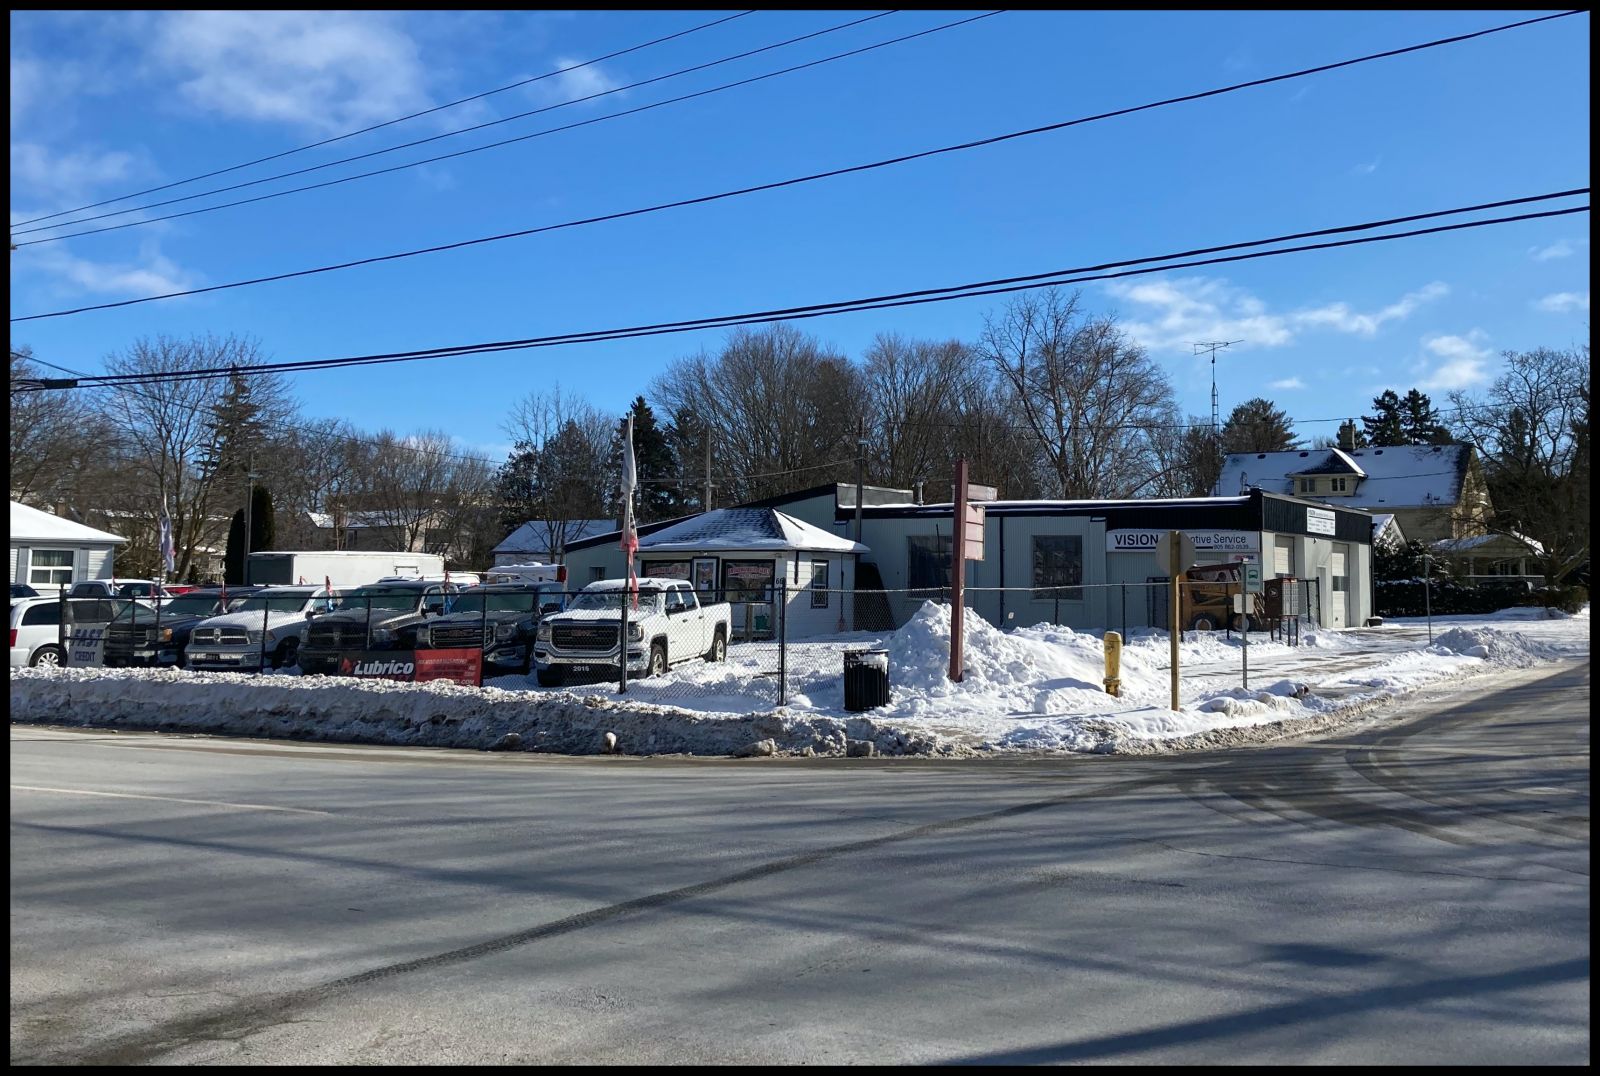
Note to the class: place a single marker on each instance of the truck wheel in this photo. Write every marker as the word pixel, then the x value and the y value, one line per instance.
pixel 719 647
pixel 551 677
pixel 287 654
pixel 658 660
pixel 48 656
pixel 1203 622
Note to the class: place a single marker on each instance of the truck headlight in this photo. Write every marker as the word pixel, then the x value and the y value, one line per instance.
pixel 544 633
pixel 504 631
pixel 164 635
pixel 382 635
pixel 305 634
pixel 636 633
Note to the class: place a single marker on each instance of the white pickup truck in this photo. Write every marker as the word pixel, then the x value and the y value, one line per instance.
pixel 669 626
pixel 235 640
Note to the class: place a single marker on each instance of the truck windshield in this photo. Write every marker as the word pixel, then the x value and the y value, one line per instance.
pixel 283 603
pixel 198 605
pixel 510 602
pixel 611 601
pixel 379 598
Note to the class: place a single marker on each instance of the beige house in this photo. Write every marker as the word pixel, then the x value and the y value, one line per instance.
pixel 1434 492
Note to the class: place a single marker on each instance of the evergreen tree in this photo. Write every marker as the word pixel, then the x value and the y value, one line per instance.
pixel 233 552
pixel 1385 426
pixel 263 522
pixel 1258 425
pixel 1419 421
pixel 654 465
pixel 236 429
pixel 686 439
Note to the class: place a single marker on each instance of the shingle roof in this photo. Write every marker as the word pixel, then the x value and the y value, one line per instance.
pixel 534 535
pixel 1399 476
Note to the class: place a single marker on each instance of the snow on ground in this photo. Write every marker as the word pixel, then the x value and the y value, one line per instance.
pixel 1031 688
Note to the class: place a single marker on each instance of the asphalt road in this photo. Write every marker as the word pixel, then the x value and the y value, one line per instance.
pixel 1413 892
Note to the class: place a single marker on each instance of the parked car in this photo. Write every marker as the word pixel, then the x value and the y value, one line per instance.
pixel 120 588
pixel 501 619
pixel 22 590
pixel 383 616
pixel 264 629
pixel 140 636
pixel 668 626
pixel 36 626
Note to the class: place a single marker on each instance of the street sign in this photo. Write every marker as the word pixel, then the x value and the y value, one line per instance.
pixel 1252 577
pixel 977 492
pixel 972 529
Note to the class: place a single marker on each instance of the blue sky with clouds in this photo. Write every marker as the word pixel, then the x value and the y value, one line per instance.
pixel 103 104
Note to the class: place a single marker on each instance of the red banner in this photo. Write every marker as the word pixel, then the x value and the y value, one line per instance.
pixel 461 666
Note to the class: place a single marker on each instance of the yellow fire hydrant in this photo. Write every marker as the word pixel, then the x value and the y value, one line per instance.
pixel 1113 664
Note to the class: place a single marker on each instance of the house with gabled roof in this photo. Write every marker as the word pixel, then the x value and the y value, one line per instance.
pixel 1434 492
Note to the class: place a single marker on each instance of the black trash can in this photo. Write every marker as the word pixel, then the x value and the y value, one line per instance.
pixel 866 679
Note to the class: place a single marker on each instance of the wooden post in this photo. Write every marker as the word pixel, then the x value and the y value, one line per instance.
pixel 958 571
pixel 1175 566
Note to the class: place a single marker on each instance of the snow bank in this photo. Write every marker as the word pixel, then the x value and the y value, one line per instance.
pixel 1033 688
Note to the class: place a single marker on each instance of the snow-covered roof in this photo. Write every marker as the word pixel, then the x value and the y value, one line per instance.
pixel 1395 476
pixel 1483 542
pixel 746 528
pixel 31 525
pixel 1335 462
pixel 534 535
pixel 361 520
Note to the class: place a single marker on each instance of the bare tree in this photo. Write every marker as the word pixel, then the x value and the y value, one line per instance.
pixel 560 469
pixel 1088 394
pixel 420 489
pixel 1531 431
pixel 917 391
pixel 46 429
pixel 167 435
pixel 781 409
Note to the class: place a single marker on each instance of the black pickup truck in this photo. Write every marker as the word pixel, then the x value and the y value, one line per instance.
pixel 382 616
pixel 138 637
pixel 501 618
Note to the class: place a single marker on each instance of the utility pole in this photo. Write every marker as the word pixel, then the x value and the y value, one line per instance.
pixel 861 472
pixel 249 499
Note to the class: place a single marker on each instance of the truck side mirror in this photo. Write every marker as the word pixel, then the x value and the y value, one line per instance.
pixel 310 614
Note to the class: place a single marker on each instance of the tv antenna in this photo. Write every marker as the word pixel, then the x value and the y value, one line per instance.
pixel 1212 347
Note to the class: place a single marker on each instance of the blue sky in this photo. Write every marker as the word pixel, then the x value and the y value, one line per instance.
pixel 108 103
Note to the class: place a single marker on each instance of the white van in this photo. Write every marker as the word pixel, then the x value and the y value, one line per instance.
pixel 36 626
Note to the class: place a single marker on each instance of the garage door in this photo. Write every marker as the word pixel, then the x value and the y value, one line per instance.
pixel 1341 585
pixel 1282 556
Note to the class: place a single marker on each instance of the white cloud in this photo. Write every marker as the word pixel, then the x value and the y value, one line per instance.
pixel 153 273
pixel 1559 249
pixel 1288 383
pixel 1563 301
pixel 26 78
pixel 1367 168
pixel 39 168
pixel 322 70
pixel 1464 358
pixel 575 84
pixel 1186 309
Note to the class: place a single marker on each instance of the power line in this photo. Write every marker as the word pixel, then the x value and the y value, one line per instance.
pixel 523 138
pixel 794 181
pixel 390 123
pixel 421 142
pixel 1054 278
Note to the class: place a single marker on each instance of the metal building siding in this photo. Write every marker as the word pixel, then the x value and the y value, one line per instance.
pixel 1289 517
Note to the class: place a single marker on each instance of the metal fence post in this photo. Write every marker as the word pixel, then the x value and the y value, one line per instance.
pixel 1123 587
pixel 367 644
pixel 155 660
pixel 483 630
pixel 266 611
pixel 61 622
pixel 783 643
pixel 622 643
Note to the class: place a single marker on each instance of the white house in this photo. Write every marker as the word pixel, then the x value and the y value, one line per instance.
pixel 741 555
pixel 49 551
pixel 541 541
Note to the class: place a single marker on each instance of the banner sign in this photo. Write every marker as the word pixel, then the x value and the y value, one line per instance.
pixel 86 647
pixel 462 665
pixel 1215 541
pixel 1319 521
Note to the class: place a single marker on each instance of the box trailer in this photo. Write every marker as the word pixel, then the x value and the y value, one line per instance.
pixel 343 568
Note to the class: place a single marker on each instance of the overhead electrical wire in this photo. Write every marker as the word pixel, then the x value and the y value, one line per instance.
pixel 793 181
pixel 431 138
pixel 1082 274
pixel 388 123
pixel 522 138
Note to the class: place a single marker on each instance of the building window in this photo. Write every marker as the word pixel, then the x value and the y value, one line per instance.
pixel 819 584
pixel 596 574
pixel 1337 485
pixel 50 567
pixel 928 562
pixel 1057 567
pixel 748 580
pixel 1308 485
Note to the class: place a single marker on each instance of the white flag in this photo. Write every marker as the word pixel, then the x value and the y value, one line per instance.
pixel 168 553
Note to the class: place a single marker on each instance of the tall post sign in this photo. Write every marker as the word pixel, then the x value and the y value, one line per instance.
pixel 966 544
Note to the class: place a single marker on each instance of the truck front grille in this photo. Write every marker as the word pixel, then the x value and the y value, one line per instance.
pixel 220 637
pixel 336 636
pixel 584 636
pixel 473 636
